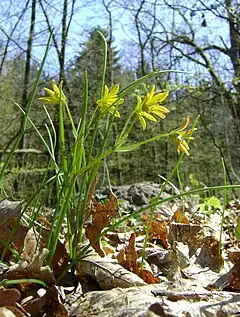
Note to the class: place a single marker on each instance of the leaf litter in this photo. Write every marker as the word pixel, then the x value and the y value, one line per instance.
pixel 186 270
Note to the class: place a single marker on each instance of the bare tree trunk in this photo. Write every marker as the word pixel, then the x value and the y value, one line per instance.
pixel 28 64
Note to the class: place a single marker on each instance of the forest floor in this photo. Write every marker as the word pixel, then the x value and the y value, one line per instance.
pixel 187 266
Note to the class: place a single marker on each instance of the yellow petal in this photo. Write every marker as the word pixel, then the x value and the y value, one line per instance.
pixel 148 116
pixel 151 92
pixel 106 91
pixel 159 114
pixel 184 124
pixel 114 91
pixel 112 110
pixel 47 100
pixel 183 147
pixel 55 87
pixel 159 108
pixel 158 98
pixel 139 104
pixel 49 91
pixel 143 122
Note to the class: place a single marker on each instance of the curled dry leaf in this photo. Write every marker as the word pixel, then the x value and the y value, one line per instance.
pixel 128 259
pixel 106 272
pixel 101 216
pixel 130 256
pixel 30 246
pixel 34 269
pixel 92 233
pixel 192 235
pixel 158 230
pixel 234 274
pixel 209 255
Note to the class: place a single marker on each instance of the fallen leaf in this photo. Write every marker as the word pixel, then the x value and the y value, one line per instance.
pixel 9 210
pixel 209 255
pixel 192 235
pixel 9 296
pixel 101 216
pixel 130 262
pixel 180 217
pixel 92 233
pixel 127 257
pixel 34 269
pixel 234 276
pixel 149 278
pixel 106 272
pixel 158 230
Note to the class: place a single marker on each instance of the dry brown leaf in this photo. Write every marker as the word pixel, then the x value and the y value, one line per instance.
pixel 148 277
pixel 106 272
pixel 34 269
pixel 130 262
pixel 234 276
pixel 108 250
pixel 92 234
pixel 9 210
pixel 9 296
pixel 234 256
pixel 17 238
pixel 188 234
pixel 31 242
pixel 180 217
pixel 127 257
pixel 209 255
pixel 158 230
pixel 30 246
pixel 101 216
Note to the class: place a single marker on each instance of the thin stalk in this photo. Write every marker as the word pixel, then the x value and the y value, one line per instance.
pixel 104 64
pixel 80 212
pixel 63 210
pixel 223 208
pixel 174 170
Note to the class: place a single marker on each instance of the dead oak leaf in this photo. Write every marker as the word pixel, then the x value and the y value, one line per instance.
pixel 128 259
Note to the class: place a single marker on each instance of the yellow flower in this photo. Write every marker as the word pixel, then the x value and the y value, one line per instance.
pixel 55 95
pixel 150 106
pixel 110 101
pixel 181 136
pixel 182 146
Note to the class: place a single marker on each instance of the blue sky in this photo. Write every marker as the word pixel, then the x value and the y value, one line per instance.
pixel 92 15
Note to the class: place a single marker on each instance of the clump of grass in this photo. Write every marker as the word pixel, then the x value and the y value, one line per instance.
pixel 77 167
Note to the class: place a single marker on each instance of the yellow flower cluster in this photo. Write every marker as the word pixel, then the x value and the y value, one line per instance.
pixel 181 136
pixel 147 107
pixel 110 101
pixel 150 105
pixel 55 95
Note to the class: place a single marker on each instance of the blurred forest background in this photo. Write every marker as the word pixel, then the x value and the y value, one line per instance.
pixel 199 37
